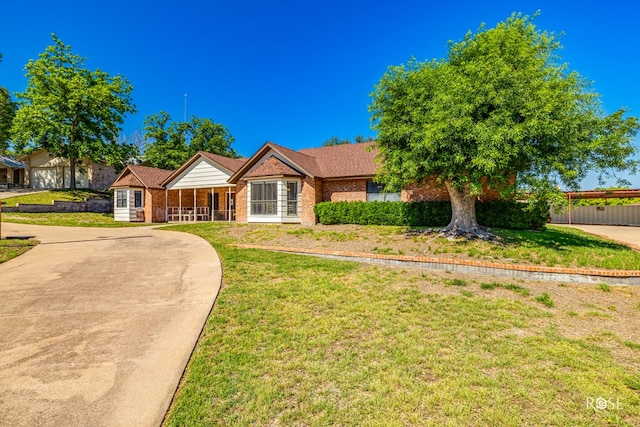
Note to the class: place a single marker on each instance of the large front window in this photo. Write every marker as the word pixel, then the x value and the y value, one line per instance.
pixel 264 198
pixel 375 193
pixel 121 198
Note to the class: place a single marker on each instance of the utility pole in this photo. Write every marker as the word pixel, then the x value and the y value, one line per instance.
pixel 185 106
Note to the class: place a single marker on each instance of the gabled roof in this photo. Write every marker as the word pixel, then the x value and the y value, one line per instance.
pixel 141 176
pixel 338 161
pixel 272 167
pixel 11 162
pixel 231 165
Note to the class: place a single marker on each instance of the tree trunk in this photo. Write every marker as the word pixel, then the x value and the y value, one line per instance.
pixel 463 214
pixel 72 173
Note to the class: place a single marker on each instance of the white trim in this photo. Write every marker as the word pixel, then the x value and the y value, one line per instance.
pixel 281 203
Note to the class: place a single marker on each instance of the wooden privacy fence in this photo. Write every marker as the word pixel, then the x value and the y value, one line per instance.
pixel 600 215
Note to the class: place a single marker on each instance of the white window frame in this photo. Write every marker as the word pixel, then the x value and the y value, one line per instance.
pixel 120 200
pixel 292 202
pixel 269 207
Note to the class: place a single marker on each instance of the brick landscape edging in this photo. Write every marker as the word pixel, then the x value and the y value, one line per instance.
pixel 563 274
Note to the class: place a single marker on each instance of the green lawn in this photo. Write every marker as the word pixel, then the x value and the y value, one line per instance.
pixel 298 340
pixel 47 197
pixel 72 219
pixel 12 248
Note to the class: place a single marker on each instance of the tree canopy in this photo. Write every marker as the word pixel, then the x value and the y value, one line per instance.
pixel 501 104
pixel 71 111
pixel 334 140
pixel 7 112
pixel 172 143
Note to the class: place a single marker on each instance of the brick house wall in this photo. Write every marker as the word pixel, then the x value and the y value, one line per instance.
pixel 154 205
pixel 241 201
pixel 426 192
pixel 344 191
pixel 432 191
pixel 312 193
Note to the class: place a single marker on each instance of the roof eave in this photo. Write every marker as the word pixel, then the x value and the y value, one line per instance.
pixel 259 154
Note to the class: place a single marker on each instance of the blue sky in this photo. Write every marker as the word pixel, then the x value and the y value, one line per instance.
pixel 298 72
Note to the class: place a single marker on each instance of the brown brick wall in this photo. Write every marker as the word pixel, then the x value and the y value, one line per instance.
pixel 432 191
pixel 428 191
pixel 344 191
pixel 154 205
pixel 241 201
pixel 312 193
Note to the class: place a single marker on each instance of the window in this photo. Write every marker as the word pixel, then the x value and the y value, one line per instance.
pixel 375 194
pixel 137 199
pixel 292 198
pixel 121 198
pixel 264 198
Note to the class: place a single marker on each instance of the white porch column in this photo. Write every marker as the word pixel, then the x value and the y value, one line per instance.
pixel 212 206
pixel 229 207
pixel 166 205
pixel 180 205
pixel 195 206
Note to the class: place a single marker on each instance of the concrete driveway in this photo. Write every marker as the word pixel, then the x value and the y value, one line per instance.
pixel 97 325
pixel 629 235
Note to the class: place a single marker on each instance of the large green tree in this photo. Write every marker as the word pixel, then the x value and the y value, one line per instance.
pixel 170 143
pixel 501 105
pixel 71 111
pixel 7 112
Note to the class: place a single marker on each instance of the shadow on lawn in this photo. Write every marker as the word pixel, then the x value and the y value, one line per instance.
pixel 558 240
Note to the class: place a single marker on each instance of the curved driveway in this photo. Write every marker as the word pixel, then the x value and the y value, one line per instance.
pixel 97 325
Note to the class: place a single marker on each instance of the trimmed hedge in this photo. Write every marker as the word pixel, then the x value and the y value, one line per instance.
pixel 500 214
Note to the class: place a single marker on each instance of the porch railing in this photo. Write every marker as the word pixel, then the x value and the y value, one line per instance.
pixel 188 214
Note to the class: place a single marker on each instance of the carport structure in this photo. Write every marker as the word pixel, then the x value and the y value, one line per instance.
pixel 600 194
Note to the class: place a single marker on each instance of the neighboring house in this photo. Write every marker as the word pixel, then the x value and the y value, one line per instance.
pixel 275 185
pixel 44 171
pixel 11 172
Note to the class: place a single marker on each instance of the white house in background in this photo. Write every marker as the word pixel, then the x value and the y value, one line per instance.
pixel 44 171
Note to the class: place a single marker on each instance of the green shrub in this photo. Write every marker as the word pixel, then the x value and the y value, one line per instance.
pixel 501 214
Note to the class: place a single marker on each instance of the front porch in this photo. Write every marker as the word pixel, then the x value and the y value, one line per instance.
pixel 200 204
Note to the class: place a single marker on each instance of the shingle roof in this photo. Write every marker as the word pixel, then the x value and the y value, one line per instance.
pixel 272 167
pixel 338 161
pixel 11 162
pixel 345 160
pixel 146 177
pixel 227 162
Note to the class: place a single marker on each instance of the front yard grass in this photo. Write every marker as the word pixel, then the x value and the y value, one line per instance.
pixel 47 197
pixel 10 249
pixel 67 219
pixel 299 340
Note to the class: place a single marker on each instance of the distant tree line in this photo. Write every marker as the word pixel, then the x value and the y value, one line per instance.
pixel 334 140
